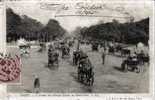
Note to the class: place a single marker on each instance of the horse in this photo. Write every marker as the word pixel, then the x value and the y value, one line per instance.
pixel 65 51
pixel 85 72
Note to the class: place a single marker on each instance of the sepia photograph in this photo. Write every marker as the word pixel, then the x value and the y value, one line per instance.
pixel 80 47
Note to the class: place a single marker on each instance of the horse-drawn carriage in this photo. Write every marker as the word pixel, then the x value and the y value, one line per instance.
pixel 131 63
pixel 85 71
pixel 95 46
pixel 70 43
pixel 135 63
pixel 24 49
pixel 53 57
pixel 65 51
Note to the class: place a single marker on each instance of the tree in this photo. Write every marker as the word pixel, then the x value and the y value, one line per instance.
pixel 53 30
pixel 12 22
pixel 130 32
pixel 31 29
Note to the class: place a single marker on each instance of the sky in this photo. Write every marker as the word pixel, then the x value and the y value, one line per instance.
pixel 43 12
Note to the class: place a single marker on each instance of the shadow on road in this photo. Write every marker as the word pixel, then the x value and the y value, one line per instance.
pixel 27 91
pixel 70 62
pixel 51 67
pixel 118 68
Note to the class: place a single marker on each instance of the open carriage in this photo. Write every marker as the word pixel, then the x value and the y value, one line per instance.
pixel 95 46
pixel 53 58
pixel 131 63
pixel 24 47
pixel 85 72
pixel 65 51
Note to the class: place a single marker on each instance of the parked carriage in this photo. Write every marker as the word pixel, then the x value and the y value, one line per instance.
pixel 131 63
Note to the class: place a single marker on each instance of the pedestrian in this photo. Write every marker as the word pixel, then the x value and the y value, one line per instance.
pixel 103 51
pixel 75 53
pixel 36 84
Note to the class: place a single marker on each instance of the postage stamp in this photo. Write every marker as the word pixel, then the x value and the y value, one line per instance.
pixel 79 47
pixel 10 68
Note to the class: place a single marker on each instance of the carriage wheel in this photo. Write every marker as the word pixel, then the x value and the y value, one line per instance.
pixel 91 81
pixel 79 79
pixel 83 78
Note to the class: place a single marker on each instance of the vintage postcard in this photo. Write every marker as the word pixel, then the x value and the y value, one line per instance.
pixel 80 47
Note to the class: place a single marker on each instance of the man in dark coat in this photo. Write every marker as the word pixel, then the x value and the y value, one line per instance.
pixel 36 84
pixel 103 52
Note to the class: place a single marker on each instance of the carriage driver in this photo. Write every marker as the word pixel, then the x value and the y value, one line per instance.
pixel 50 52
pixel 84 60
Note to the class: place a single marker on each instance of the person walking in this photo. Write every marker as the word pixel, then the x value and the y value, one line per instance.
pixel 36 84
pixel 103 51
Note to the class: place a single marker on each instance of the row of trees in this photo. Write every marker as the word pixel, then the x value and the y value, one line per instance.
pixel 31 29
pixel 131 32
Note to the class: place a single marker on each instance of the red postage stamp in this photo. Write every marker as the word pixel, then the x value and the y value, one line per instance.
pixel 10 68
